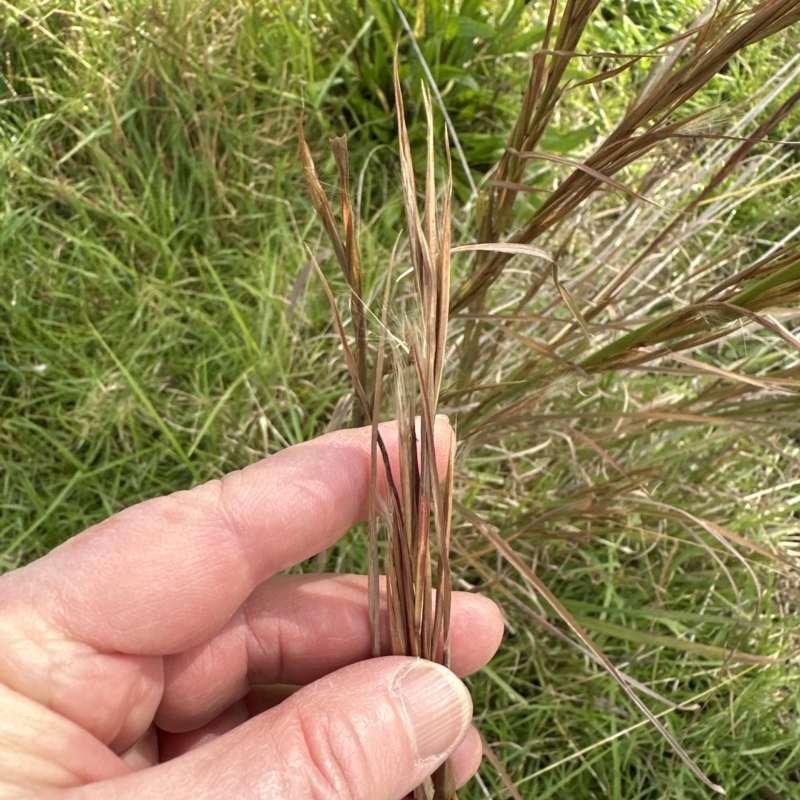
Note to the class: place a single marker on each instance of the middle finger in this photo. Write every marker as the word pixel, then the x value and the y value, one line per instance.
pixel 293 630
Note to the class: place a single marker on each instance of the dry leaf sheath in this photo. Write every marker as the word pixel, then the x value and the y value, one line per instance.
pixel 418 507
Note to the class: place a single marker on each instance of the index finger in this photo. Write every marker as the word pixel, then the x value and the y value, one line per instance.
pixel 165 574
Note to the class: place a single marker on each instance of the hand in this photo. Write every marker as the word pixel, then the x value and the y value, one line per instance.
pixel 146 656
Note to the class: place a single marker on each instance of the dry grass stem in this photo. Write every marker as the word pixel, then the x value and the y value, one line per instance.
pixel 418 507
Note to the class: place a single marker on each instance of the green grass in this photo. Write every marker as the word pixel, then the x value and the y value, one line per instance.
pixel 159 328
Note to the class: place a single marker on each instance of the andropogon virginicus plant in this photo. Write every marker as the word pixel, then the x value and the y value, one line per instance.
pixel 629 271
pixel 417 509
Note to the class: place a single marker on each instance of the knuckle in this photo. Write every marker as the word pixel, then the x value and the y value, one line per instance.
pixel 338 766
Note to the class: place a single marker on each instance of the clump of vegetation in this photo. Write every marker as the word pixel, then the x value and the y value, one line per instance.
pixel 622 362
pixel 510 367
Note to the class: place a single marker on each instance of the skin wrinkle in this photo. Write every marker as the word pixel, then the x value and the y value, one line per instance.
pixel 241 627
pixel 196 669
pixel 280 781
pixel 78 611
pixel 139 683
pixel 335 743
pixel 143 696
pixel 224 489
pixel 256 647
pixel 348 735
pixel 349 479
pixel 260 650
pixel 331 632
pixel 172 746
pixel 286 633
pixel 119 719
pixel 286 777
pixel 27 643
pixel 55 667
pixel 195 523
pixel 61 746
pixel 287 508
pixel 265 741
pixel 346 475
pixel 328 781
pixel 214 536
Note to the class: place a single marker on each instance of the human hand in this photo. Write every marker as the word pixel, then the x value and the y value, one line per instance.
pixel 129 654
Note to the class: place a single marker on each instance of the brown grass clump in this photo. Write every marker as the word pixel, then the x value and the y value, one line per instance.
pixel 603 294
pixel 418 508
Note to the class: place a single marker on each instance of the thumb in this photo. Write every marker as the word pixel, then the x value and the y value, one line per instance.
pixel 373 730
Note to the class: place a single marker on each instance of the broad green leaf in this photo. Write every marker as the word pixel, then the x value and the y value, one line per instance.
pixel 554 141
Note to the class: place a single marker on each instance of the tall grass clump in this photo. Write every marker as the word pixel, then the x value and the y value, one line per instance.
pixel 615 343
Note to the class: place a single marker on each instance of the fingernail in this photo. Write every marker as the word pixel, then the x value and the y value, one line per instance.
pixel 441 423
pixel 437 706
